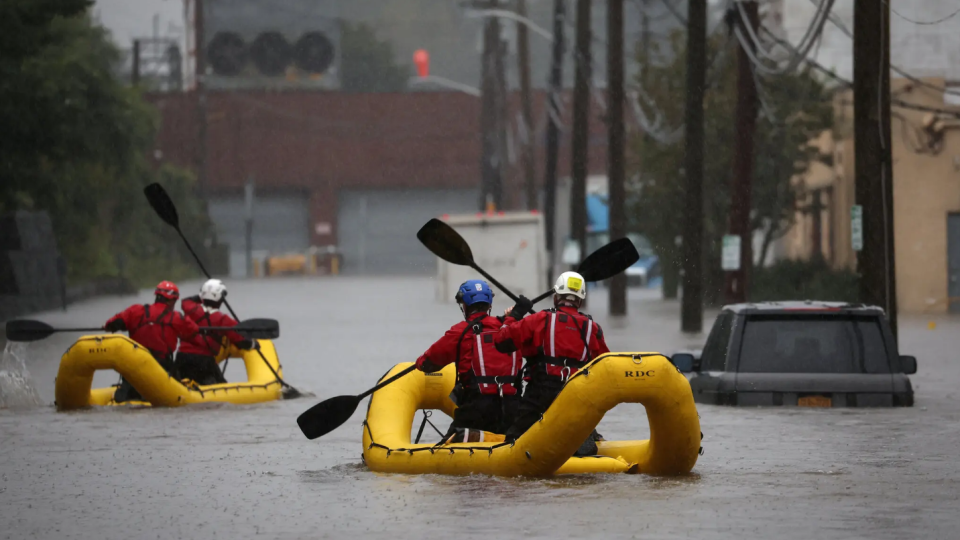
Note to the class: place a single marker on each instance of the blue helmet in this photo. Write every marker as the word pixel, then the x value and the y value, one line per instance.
pixel 474 291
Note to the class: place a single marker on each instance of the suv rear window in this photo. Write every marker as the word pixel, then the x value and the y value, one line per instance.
pixel 813 344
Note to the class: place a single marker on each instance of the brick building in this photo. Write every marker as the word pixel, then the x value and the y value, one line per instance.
pixel 360 171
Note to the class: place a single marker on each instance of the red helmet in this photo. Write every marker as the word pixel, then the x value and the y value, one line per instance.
pixel 168 290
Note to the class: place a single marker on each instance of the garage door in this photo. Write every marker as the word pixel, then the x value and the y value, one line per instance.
pixel 280 224
pixel 377 230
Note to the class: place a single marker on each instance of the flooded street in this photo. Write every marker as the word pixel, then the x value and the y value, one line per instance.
pixel 241 472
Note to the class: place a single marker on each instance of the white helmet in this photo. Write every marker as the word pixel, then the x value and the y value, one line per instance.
pixel 571 283
pixel 213 290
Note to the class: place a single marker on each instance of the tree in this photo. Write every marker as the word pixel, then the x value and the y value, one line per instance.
pixel 367 64
pixel 74 142
pixel 795 109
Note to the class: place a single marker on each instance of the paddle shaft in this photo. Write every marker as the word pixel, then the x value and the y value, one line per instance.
pixel 505 290
pixel 229 308
pixel 386 382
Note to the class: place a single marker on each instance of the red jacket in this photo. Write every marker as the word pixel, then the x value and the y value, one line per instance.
pixel 155 326
pixel 207 344
pixel 479 364
pixel 554 340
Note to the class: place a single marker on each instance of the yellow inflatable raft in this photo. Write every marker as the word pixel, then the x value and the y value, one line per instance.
pixel 545 449
pixel 123 355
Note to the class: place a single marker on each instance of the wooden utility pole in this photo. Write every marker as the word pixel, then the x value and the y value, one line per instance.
pixel 691 308
pixel 581 127
pixel 872 155
pixel 201 70
pixel 523 54
pixel 736 281
pixel 489 117
pixel 615 146
pixel 135 71
pixel 554 111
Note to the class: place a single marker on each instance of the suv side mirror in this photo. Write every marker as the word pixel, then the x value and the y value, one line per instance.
pixel 683 361
pixel 908 364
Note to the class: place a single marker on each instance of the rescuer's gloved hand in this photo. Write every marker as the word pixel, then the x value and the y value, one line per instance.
pixel 523 306
pixel 115 326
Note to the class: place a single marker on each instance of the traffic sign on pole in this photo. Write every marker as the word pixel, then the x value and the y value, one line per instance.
pixel 856 227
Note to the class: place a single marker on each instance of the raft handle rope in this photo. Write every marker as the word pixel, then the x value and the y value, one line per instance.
pixel 432 449
pixel 426 420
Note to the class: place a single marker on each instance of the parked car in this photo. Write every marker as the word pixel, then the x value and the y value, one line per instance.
pixel 815 354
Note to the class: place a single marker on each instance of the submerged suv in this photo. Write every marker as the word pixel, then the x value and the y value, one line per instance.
pixel 815 354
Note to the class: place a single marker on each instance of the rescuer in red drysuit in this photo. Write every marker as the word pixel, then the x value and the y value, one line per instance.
pixel 556 344
pixel 197 357
pixel 156 327
pixel 487 386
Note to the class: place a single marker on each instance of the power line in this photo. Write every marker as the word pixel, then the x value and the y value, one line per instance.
pixel 751 41
pixel 846 83
pixel 923 23
pixel 843 28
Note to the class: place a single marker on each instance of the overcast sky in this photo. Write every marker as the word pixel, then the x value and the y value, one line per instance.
pixel 127 19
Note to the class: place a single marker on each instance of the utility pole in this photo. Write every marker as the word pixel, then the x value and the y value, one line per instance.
pixel 615 146
pixel 736 281
pixel 872 155
pixel 581 114
pixel 554 111
pixel 201 65
pixel 502 108
pixel 135 71
pixel 691 308
pixel 490 165
pixel 249 191
pixel 523 54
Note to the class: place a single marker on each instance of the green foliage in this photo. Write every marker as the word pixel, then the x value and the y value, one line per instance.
pixel 73 144
pixel 367 64
pixel 803 280
pixel 796 110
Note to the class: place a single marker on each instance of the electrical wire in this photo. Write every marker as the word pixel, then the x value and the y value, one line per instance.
pixel 752 44
pixel 836 21
pixel 809 38
pixel 923 23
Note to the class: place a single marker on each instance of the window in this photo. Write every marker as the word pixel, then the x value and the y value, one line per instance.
pixel 813 344
pixel 874 349
pixel 714 356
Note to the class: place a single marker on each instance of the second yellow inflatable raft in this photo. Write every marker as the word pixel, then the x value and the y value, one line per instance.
pixel 158 388
pixel 545 449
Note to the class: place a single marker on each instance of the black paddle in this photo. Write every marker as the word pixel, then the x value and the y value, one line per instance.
pixel 447 244
pixel 604 263
pixel 330 414
pixel 164 207
pixel 25 330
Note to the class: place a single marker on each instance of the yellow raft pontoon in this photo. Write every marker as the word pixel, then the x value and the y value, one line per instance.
pixel 545 449
pixel 158 388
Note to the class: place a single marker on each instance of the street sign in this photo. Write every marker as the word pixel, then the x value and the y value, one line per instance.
pixel 856 227
pixel 730 258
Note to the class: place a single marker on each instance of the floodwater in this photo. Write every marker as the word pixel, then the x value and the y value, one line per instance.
pixel 242 472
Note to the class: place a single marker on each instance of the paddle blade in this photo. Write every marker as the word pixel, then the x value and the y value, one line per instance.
pixel 162 205
pixel 258 328
pixel 28 330
pixel 609 260
pixel 327 416
pixel 446 243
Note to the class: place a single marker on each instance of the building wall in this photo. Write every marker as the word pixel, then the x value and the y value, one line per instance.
pixel 315 144
pixel 926 189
